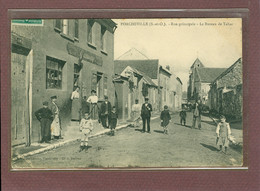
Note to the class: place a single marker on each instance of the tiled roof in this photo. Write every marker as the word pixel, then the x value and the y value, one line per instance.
pixel 149 67
pixel 208 75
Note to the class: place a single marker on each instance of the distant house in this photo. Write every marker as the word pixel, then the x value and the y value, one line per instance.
pixel 225 95
pixel 158 74
pixel 131 84
pixel 175 93
pixel 200 79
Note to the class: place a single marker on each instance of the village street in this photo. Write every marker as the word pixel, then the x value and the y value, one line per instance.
pixel 182 147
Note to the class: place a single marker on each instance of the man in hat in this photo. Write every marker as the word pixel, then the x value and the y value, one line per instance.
pixel 146 114
pixel 44 115
pixel 105 112
pixel 56 123
pixel 92 101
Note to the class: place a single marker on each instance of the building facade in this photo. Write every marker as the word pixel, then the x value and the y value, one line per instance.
pixel 226 92
pixel 52 59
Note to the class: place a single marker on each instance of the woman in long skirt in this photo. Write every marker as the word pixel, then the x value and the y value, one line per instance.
pixel 75 109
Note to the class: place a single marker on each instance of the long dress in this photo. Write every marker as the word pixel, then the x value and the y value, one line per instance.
pixel 75 108
pixel 55 125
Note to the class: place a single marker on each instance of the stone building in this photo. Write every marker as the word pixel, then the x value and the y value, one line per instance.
pixel 226 93
pixel 200 79
pixel 51 59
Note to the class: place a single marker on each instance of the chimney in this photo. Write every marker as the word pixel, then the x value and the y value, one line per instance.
pixel 168 67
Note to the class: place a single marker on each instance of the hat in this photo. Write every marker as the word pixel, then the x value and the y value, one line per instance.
pixel 222 117
pixel 165 107
pixel 105 97
pixel 146 99
pixel 93 91
pixel 54 97
pixel 45 103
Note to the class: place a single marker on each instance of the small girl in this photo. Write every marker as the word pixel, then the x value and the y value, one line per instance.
pixel 113 121
pixel 165 119
pixel 86 126
pixel 223 134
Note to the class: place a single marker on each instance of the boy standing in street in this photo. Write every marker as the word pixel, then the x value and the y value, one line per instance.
pixel 223 134
pixel 86 126
pixel 183 117
pixel 165 119
pixel 113 121
pixel 44 115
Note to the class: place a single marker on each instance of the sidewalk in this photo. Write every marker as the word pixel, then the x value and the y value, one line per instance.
pixel 71 134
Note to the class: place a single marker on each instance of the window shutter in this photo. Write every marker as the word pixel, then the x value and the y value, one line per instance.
pixel 58 23
pixel 76 28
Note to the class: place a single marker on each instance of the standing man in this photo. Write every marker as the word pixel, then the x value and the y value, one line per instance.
pixel 44 115
pixel 105 112
pixel 146 114
pixel 197 114
pixel 56 123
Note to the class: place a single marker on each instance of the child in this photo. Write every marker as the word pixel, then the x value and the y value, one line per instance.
pixel 86 126
pixel 113 121
pixel 165 119
pixel 223 134
pixel 183 117
pixel 44 115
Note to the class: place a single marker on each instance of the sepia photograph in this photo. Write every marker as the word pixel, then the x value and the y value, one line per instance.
pixel 159 93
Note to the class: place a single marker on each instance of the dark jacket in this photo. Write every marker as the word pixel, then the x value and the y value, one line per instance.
pixel 165 117
pixel 145 112
pixel 103 109
pixel 44 113
pixel 183 114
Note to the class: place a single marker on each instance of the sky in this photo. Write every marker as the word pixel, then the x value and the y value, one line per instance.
pixel 178 42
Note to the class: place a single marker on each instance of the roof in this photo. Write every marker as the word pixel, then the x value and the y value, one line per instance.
pixel 197 61
pixel 165 70
pixel 148 67
pixel 208 75
pixel 148 80
pixel 239 61
pixel 133 54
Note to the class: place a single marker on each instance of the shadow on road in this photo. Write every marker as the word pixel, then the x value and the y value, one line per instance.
pixel 183 125
pixel 210 147
pixel 209 122
pixel 158 131
pixel 236 147
pixel 140 130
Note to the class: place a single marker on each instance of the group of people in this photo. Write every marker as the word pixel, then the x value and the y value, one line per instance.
pixel 49 117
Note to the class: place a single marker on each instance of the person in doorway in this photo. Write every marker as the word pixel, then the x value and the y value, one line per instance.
pixel 113 121
pixel 165 119
pixel 92 101
pixel 86 126
pixel 146 114
pixel 197 114
pixel 56 123
pixel 183 117
pixel 44 115
pixel 136 113
pixel 75 107
pixel 105 112
pixel 223 134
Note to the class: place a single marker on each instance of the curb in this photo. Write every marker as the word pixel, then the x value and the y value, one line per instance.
pixel 57 145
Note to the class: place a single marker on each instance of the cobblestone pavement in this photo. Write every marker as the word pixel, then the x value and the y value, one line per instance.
pixel 182 147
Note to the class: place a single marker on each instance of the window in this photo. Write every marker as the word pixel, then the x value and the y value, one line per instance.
pixel 65 26
pixel 54 73
pixel 76 75
pixel 96 83
pixel 91 33
pixel 76 32
pixel 105 85
pixel 103 39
